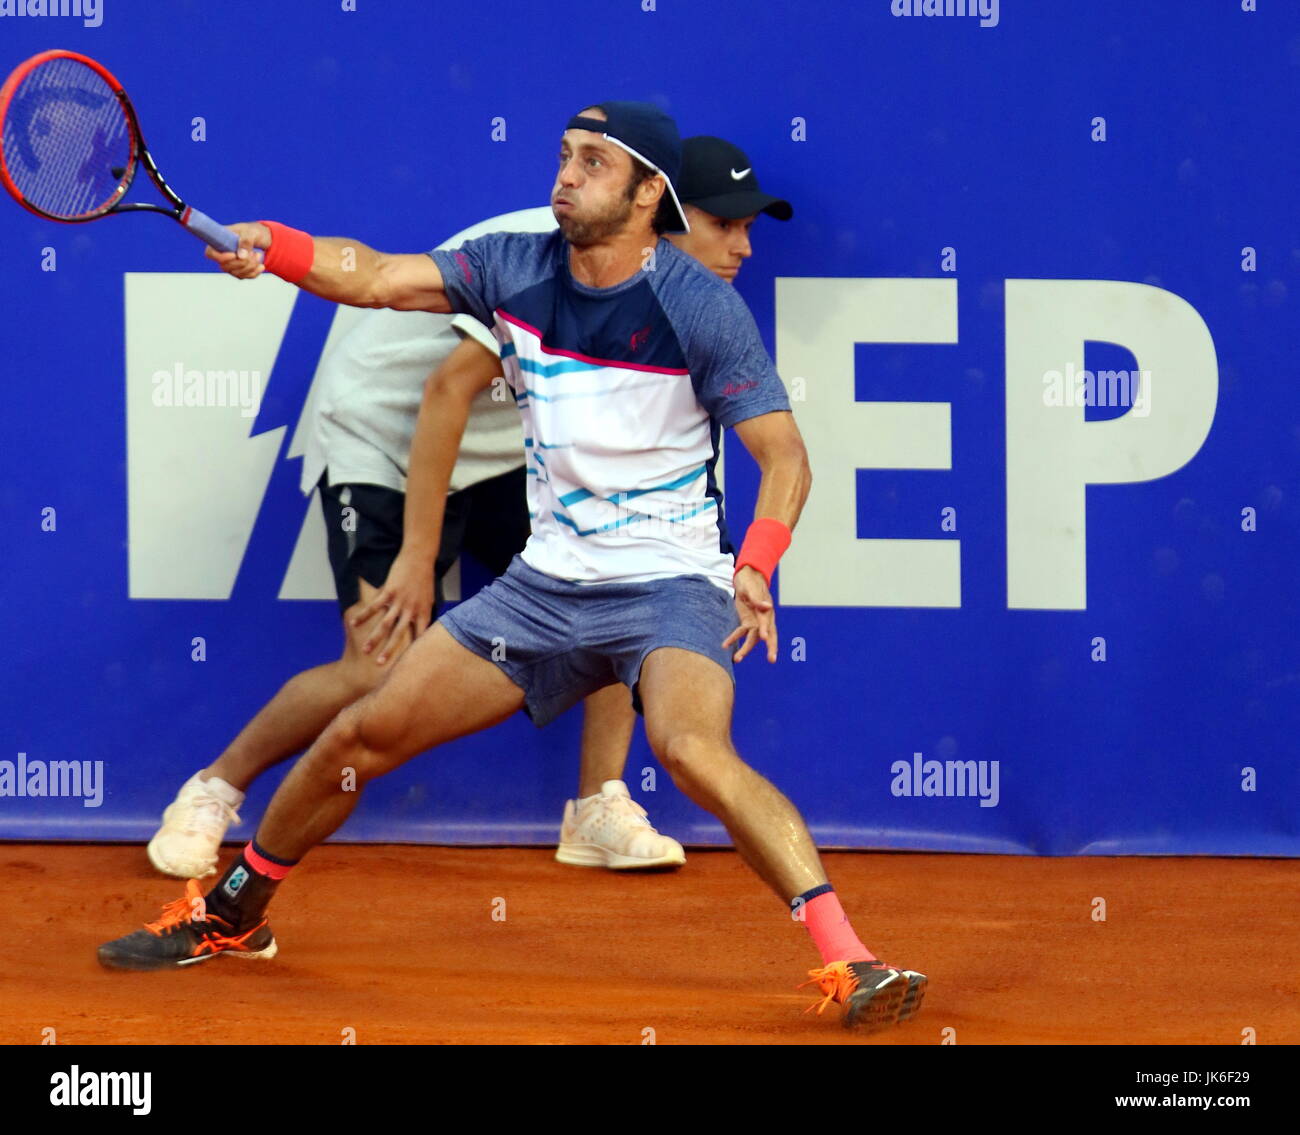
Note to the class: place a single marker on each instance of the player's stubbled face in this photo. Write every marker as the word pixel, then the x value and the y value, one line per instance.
pixel 589 197
pixel 721 245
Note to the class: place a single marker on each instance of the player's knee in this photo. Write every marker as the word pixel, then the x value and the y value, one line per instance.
pixel 688 756
pixel 332 752
pixel 355 744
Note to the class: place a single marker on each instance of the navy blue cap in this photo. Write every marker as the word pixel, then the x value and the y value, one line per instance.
pixel 649 135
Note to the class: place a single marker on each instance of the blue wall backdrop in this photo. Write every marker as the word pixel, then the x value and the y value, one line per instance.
pixel 896 138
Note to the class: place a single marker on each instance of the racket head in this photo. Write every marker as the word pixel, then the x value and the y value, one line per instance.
pixel 69 142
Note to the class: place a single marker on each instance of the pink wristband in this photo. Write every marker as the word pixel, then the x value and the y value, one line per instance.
pixel 291 254
pixel 764 544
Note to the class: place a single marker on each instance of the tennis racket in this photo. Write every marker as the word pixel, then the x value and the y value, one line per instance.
pixel 70 145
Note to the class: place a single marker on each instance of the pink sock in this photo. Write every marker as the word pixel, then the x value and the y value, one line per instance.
pixel 830 930
pixel 260 862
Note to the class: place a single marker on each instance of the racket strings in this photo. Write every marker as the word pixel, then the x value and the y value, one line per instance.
pixel 65 135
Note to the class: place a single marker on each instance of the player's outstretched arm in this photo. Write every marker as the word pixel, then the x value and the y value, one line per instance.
pixel 336 268
pixel 774 441
pixel 406 598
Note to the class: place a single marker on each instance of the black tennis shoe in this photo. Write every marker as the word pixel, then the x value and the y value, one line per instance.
pixel 187 933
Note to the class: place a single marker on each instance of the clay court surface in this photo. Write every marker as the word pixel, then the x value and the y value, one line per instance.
pixel 399 944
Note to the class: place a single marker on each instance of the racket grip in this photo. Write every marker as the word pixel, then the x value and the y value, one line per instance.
pixel 206 229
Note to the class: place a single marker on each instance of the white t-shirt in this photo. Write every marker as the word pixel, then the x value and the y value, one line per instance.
pixel 367 391
pixel 624 393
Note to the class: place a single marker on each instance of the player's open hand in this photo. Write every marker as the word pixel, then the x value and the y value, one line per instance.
pixel 246 262
pixel 757 614
pixel 406 603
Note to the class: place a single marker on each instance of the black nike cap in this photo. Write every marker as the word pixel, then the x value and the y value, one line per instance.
pixel 718 178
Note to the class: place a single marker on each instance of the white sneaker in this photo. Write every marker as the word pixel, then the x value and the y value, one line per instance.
pixel 193 827
pixel 611 830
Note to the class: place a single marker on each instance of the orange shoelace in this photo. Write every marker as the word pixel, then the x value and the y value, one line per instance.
pixel 187 909
pixel 214 943
pixel 836 981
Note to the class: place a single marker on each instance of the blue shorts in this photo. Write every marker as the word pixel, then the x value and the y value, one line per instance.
pixel 560 641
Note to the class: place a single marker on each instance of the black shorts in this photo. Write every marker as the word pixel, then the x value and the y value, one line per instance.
pixel 489 521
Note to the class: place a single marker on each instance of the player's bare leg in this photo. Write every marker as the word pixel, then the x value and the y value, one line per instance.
pixel 187 843
pixel 604 826
pixel 688 701
pixel 305 704
pixel 437 691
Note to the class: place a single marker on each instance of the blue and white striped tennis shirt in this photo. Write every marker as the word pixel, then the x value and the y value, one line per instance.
pixel 623 393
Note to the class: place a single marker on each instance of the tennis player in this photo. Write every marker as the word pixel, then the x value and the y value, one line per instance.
pixel 625 367
pixel 359 454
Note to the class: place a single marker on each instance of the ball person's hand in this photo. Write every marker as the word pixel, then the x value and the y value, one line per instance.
pixel 406 601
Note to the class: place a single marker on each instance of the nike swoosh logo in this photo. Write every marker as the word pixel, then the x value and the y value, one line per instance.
pixel 743 173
